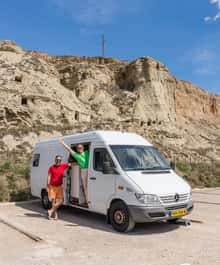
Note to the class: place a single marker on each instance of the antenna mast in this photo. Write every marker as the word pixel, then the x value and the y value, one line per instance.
pixel 103 45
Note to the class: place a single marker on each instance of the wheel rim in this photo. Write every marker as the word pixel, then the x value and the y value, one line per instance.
pixel 119 217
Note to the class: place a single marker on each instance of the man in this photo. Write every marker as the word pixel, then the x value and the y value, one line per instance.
pixel 82 157
pixel 55 186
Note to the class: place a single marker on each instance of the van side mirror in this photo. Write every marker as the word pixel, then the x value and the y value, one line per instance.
pixel 107 168
pixel 173 165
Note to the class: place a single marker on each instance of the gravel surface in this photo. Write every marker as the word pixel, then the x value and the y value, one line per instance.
pixel 84 238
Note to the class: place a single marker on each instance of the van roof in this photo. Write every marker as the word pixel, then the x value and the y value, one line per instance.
pixel 109 137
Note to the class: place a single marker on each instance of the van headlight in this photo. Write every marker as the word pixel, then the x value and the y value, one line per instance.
pixel 190 195
pixel 149 199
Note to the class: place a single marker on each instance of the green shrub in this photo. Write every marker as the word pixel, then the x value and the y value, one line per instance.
pixel 7 165
pixel 3 189
pixel 200 174
pixel 184 167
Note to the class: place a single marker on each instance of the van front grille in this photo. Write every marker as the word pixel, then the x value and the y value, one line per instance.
pixel 157 214
pixel 171 198
pixel 176 207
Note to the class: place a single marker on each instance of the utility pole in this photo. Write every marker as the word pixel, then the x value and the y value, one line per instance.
pixel 103 45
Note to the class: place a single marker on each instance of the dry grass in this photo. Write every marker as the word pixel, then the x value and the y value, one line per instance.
pixel 200 174
pixel 14 182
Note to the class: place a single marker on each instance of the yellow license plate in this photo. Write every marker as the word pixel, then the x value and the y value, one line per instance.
pixel 178 212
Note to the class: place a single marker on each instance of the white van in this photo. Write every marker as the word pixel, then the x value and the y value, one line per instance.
pixel 129 181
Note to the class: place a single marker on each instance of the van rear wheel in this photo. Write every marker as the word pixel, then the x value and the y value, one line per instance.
pixel 120 218
pixel 46 203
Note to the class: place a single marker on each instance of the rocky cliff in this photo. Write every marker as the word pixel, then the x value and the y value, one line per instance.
pixel 44 95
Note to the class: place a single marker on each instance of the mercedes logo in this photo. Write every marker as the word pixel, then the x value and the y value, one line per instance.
pixel 176 197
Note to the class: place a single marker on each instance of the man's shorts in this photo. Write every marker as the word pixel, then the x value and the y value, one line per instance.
pixel 56 192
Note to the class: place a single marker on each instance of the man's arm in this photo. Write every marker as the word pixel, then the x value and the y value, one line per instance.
pixel 48 182
pixel 66 146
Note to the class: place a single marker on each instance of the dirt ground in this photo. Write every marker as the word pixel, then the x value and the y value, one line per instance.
pixel 84 238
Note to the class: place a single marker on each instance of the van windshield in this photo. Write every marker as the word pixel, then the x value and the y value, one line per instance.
pixel 132 157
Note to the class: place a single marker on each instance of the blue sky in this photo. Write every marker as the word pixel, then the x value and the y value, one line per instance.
pixel 183 34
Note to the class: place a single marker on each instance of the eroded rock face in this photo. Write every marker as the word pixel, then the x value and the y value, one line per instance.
pixel 155 89
pixel 196 104
pixel 10 46
pixel 42 95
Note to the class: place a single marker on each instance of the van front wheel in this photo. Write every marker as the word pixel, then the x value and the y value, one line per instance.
pixel 120 218
pixel 46 203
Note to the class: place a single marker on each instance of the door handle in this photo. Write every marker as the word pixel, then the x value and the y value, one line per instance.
pixel 92 178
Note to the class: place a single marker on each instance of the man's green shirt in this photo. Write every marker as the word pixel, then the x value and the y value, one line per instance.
pixel 82 158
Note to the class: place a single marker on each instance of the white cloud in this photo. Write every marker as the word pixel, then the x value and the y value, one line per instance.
pixel 215 2
pixel 96 12
pixel 207 19
pixel 203 55
pixel 217 16
pixel 204 61
pixel 93 12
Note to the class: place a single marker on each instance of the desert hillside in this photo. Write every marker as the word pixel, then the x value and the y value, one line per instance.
pixel 43 96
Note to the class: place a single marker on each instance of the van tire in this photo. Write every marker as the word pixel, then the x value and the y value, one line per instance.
pixel 46 203
pixel 120 218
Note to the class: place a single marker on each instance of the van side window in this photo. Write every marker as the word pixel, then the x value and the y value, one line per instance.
pixel 101 155
pixel 36 160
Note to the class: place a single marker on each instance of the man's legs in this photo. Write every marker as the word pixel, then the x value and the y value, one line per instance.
pixel 51 211
pixel 57 204
pixel 57 201
pixel 84 174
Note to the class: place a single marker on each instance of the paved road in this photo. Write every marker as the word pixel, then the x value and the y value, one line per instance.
pixel 84 238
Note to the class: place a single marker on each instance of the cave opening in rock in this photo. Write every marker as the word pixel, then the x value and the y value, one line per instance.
pixel 77 93
pixel 149 122
pixel 24 101
pixel 18 78
pixel 77 116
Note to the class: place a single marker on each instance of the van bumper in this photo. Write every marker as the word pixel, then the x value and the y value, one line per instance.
pixel 142 214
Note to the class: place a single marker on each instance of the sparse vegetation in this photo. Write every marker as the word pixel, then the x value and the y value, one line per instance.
pixel 15 178
pixel 14 181
pixel 200 174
